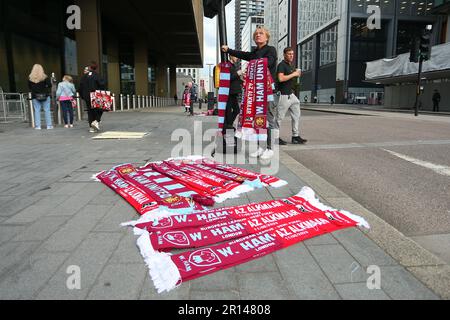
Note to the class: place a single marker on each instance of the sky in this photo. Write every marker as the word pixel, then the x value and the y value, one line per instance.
pixel 210 36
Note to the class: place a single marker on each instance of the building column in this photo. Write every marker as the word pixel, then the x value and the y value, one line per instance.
pixel 315 65
pixel 161 80
pixel 89 38
pixel 173 81
pixel 141 65
pixel 113 65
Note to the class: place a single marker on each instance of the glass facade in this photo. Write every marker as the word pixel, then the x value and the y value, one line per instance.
pixel 22 46
pixel 306 55
pixel 388 7
pixel 312 14
pixel 328 46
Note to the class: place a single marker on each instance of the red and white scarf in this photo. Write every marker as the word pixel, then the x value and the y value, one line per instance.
pixel 224 92
pixel 168 271
pixel 258 92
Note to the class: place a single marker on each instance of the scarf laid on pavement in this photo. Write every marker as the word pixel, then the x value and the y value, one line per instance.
pixel 167 271
pixel 151 182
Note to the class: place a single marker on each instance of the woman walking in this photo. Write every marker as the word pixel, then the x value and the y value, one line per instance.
pixel 65 93
pixel 91 82
pixel 40 85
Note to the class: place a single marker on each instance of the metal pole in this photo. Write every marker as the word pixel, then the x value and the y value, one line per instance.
pixel 114 102
pixel 223 29
pixel 128 102
pixel 30 98
pixel 418 92
pixel 78 107
pixel 121 102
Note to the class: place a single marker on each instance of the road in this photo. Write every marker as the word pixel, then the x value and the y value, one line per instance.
pixel 397 166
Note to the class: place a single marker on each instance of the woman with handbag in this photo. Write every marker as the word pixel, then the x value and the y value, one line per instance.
pixel 91 82
pixel 40 85
pixel 65 93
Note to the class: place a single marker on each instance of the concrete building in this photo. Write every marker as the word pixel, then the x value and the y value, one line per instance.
pixel 399 75
pixel 247 43
pixel 194 72
pixel 244 9
pixel 134 42
pixel 334 55
pixel 271 21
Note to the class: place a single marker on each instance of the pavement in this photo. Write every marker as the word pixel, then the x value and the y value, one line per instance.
pixel 53 218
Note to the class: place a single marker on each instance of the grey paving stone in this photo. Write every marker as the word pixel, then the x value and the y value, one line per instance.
pixel 13 254
pixel 52 200
pixel 78 177
pixel 16 205
pixel 29 214
pixel 109 199
pixel 222 280
pixel 61 189
pixel 119 282
pixel 127 251
pixel 303 275
pixel 214 295
pixel 26 279
pixel 338 265
pixel 264 264
pixel 41 229
pixel 322 240
pixel 117 214
pixel 74 203
pixel 91 257
pixel 263 286
pixel 149 292
pixel 399 284
pixel 359 291
pixel 259 195
pixel 9 232
pixel 362 248
pixel 76 229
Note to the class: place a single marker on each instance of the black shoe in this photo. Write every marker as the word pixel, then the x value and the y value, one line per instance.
pixel 282 142
pixel 298 140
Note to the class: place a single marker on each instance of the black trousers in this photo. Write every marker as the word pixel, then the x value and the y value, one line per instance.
pixel 93 114
pixel 435 106
pixel 232 111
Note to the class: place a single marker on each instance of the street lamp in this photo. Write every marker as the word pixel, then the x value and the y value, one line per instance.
pixel 209 76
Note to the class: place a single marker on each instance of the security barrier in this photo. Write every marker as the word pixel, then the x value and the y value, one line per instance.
pixel 12 107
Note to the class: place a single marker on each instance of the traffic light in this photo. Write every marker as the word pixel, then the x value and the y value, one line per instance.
pixel 425 45
pixel 415 48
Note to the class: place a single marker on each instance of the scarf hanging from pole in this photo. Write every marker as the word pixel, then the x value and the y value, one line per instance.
pixel 258 92
pixel 224 92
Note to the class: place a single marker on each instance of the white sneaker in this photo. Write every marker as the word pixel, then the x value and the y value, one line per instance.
pixel 257 154
pixel 92 130
pixel 95 125
pixel 267 155
pixel 37 128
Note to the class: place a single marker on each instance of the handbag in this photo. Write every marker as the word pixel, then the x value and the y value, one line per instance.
pixel 74 103
pixel 41 97
pixel 101 100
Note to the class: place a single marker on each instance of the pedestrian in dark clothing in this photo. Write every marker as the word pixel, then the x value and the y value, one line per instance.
pixel 233 109
pixel 40 85
pixel 261 38
pixel 436 100
pixel 90 82
pixel 332 100
pixel 176 99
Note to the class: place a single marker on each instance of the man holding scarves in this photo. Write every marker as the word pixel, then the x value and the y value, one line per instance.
pixel 263 50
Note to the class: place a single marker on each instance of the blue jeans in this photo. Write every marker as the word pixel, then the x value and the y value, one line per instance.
pixel 38 105
pixel 67 111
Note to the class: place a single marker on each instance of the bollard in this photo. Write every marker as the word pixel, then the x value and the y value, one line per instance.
pixel 78 107
pixel 58 106
pixel 30 98
pixel 128 102
pixel 139 102
pixel 114 102
pixel 121 102
pixel 134 102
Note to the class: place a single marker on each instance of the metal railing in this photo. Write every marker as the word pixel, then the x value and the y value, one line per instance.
pixel 12 107
pixel 120 103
